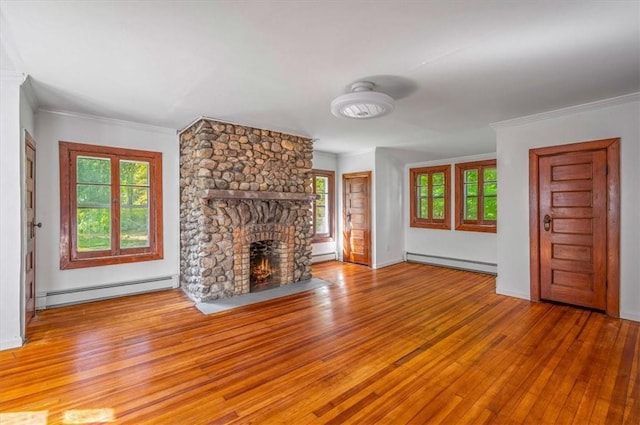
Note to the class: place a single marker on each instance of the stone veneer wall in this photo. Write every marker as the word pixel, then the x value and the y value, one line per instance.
pixel 271 172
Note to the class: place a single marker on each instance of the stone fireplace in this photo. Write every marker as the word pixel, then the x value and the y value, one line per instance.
pixel 246 194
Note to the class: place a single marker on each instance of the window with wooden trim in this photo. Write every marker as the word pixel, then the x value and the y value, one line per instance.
pixel 477 196
pixel 110 205
pixel 323 209
pixel 429 199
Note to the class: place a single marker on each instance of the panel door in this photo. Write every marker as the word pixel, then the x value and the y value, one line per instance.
pixel 30 205
pixel 356 238
pixel 573 228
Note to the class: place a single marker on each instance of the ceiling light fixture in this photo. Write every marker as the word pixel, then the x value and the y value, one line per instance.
pixel 362 102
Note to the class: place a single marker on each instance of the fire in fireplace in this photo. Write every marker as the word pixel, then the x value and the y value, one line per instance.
pixel 264 271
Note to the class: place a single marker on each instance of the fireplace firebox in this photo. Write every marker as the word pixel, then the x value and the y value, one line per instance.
pixel 264 266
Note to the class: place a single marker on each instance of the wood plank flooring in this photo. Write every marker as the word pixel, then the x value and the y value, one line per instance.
pixel 407 344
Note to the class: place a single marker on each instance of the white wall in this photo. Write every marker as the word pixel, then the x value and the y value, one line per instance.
pixel 389 178
pixel 608 119
pixel 459 245
pixel 327 161
pixel 353 163
pixel 15 116
pixel 52 127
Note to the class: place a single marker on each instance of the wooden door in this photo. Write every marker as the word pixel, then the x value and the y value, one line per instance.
pixel 356 211
pixel 574 226
pixel 30 207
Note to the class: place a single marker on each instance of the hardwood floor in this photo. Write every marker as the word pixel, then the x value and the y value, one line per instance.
pixel 405 344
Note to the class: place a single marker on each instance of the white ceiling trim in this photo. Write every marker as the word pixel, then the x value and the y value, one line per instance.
pixel 12 76
pixel 112 121
pixel 632 97
pixel 451 161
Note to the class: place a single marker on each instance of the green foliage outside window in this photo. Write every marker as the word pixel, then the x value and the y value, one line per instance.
pixel 490 190
pixel 134 204
pixel 474 180
pixel 436 191
pixel 94 199
pixel 322 218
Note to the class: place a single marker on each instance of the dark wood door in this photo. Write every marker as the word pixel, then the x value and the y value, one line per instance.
pixel 30 205
pixel 356 210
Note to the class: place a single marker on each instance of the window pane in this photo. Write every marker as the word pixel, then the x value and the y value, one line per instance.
pixel 93 170
pixel 134 227
pixel 490 174
pixel 437 178
pixel 490 189
pixel 470 189
pixel 322 185
pixel 438 208
pixel 423 179
pixel 322 220
pixel 134 173
pixel 423 208
pixel 134 217
pixel 490 208
pixel 94 229
pixel 91 195
pixel 134 196
pixel 423 202
pixel 471 208
pixel 471 176
pixel 438 191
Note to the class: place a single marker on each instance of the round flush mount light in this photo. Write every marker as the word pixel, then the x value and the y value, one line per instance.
pixel 362 102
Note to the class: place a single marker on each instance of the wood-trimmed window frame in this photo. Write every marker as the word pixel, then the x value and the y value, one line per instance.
pixel 325 237
pixel 430 222
pixel 479 225
pixel 70 258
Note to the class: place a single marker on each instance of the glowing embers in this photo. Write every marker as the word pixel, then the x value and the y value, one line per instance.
pixel 264 266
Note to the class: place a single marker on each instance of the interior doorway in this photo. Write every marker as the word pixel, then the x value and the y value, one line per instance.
pixel 356 218
pixel 574 224
pixel 31 225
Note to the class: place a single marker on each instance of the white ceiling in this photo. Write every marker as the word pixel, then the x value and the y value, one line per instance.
pixel 452 66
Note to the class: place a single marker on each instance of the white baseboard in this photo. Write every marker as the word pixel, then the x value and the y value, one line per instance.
pixel 388 263
pixel 454 263
pixel 319 258
pixel 514 294
pixel 630 315
pixel 7 344
pixel 95 293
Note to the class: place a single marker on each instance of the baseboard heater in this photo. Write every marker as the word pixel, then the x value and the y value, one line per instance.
pixel 100 292
pixel 453 263
pixel 319 258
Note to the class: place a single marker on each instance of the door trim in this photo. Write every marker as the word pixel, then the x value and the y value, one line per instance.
pixel 345 176
pixel 613 215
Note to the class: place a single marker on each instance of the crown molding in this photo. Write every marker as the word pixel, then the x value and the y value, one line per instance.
pixel 112 121
pixel 452 160
pixel 632 97
pixel 12 76
pixel 30 94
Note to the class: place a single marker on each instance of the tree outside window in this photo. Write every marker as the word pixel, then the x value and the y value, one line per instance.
pixel 111 205
pixel 429 200
pixel 477 196
pixel 323 210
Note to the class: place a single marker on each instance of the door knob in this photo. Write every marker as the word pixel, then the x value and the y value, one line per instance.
pixel 547 222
